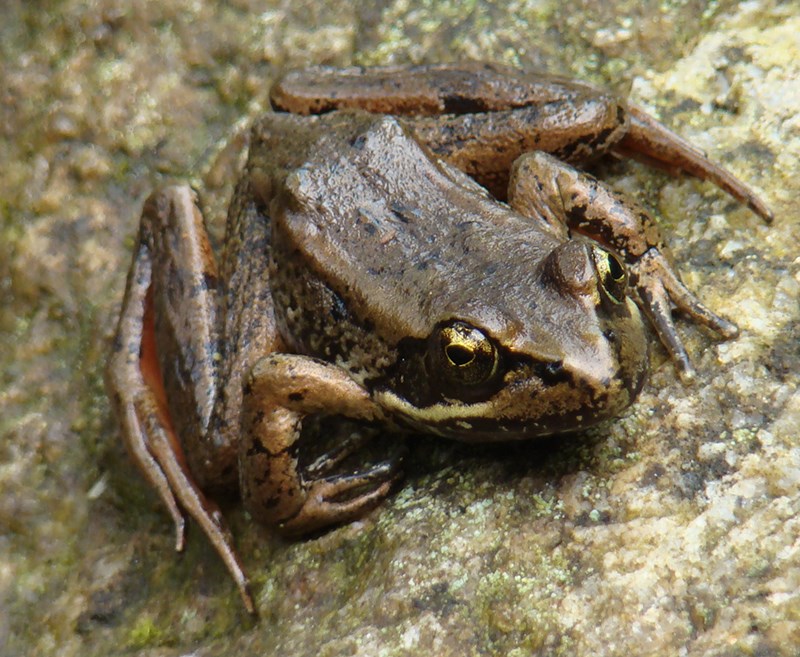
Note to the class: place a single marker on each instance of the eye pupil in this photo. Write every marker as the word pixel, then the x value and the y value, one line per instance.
pixel 459 355
pixel 615 268
pixel 462 354
pixel 613 277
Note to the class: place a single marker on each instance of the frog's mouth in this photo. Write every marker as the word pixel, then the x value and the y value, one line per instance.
pixel 559 409
pixel 536 399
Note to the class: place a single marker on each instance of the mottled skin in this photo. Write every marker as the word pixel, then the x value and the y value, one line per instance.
pixel 363 276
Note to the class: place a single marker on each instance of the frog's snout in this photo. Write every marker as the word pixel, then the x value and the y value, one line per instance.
pixel 608 346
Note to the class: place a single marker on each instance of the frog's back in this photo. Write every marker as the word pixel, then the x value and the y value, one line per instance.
pixel 402 241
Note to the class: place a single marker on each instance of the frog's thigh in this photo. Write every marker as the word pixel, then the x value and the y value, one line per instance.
pixel 135 380
pixel 164 323
pixel 282 389
pixel 484 145
pixel 185 291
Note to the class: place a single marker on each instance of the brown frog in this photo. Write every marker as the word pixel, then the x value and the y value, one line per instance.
pixel 366 274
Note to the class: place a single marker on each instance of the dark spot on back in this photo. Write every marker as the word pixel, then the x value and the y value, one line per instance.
pixel 458 104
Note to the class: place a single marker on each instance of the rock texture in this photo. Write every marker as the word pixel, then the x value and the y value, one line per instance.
pixel 674 530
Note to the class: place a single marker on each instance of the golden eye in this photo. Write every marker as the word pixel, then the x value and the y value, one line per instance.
pixel 463 354
pixel 613 277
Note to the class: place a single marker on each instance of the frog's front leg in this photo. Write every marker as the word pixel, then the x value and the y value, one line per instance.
pixel 168 323
pixel 542 186
pixel 280 391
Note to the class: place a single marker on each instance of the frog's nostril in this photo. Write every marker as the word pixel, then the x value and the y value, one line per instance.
pixel 552 372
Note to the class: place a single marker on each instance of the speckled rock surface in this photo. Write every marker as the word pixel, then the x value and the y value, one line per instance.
pixel 674 530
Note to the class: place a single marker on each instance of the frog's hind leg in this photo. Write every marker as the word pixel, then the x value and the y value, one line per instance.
pixel 543 187
pixel 479 117
pixel 173 251
pixel 654 144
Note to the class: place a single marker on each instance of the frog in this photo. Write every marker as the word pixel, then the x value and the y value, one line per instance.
pixel 416 248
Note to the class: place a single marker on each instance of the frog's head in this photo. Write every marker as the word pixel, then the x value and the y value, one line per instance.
pixel 555 351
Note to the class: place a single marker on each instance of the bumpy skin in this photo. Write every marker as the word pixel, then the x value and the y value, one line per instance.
pixel 364 277
pixel 446 251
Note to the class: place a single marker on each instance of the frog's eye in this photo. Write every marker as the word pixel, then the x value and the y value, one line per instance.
pixel 463 354
pixel 613 277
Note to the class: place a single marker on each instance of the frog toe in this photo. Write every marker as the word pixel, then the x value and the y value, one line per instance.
pixel 342 498
pixel 658 289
